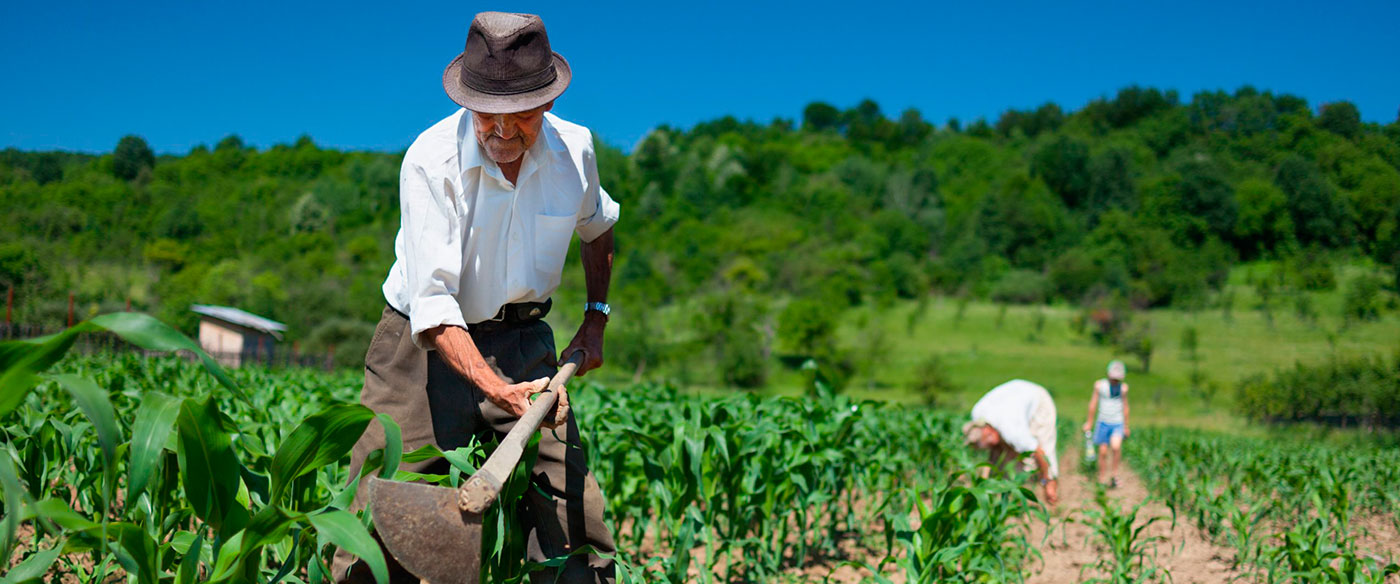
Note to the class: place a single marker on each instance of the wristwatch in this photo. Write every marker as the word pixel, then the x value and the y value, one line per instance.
pixel 598 306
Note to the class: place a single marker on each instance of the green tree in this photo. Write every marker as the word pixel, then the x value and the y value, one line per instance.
pixel 1341 118
pixel 19 266
pixel 1264 225
pixel 1111 181
pixel 131 157
pixel 1204 194
pixel 1063 163
pixel 820 116
pixel 1319 215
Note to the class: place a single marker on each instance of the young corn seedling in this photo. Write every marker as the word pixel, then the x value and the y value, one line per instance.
pixel 1131 551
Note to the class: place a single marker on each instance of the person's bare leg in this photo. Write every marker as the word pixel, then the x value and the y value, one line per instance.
pixel 1116 444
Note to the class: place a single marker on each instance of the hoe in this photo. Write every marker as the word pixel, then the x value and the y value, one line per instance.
pixel 435 532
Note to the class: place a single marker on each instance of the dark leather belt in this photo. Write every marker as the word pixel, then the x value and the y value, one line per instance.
pixel 507 315
pixel 517 313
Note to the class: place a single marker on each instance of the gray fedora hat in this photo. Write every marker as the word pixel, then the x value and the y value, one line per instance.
pixel 507 66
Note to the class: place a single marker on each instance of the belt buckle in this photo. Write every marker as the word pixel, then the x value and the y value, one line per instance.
pixel 500 315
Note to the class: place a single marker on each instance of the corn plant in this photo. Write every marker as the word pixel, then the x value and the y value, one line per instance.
pixel 1131 551
pixel 744 488
pixel 1300 494
pixel 164 493
pixel 1314 550
pixel 232 476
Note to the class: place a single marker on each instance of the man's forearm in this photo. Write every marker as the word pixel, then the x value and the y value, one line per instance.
pixel 597 266
pixel 458 350
pixel 1042 463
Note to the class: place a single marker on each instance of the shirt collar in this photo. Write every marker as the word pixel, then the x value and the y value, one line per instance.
pixel 469 151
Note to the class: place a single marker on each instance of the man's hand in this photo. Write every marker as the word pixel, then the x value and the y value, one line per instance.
pixel 1126 431
pixel 514 398
pixel 588 339
pixel 1086 426
pixel 1052 492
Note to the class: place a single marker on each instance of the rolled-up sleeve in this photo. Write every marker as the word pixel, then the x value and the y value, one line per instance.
pixel 432 232
pixel 599 211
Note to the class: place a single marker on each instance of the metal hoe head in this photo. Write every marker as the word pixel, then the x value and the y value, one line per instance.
pixel 427 532
pixel 435 532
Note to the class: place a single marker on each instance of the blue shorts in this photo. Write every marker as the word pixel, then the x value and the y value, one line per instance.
pixel 1105 431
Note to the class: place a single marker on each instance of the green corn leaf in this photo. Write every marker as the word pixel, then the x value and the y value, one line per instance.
pixel 267 527
pixel 461 459
pixel 189 564
pixel 21 361
pixel 345 531
pixel 24 360
pixel 226 564
pixel 60 514
pixel 422 453
pixel 154 422
pixel 14 489
pixel 135 544
pixel 393 445
pixel 208 465
pixel 93 402
pixel 151 334
pixel 319 440
pixel 346 497
pixel 418 477
pixel 34 567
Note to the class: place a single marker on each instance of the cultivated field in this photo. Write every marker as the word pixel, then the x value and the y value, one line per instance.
pixel 155 468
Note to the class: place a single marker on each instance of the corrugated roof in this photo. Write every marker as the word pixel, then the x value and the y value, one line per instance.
pixel 241 317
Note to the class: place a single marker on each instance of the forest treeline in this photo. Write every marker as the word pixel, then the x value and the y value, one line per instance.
pixel 1142 199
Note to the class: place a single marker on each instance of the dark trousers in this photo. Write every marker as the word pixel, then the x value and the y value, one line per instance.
pixel 434 405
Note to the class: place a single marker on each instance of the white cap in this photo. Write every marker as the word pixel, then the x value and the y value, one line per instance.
pixel 1116 370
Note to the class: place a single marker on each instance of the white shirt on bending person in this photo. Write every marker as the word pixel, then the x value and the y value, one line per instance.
pixel 470 242
pixel 1024 414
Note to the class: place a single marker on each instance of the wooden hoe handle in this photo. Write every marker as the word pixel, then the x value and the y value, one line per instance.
pixel 481 490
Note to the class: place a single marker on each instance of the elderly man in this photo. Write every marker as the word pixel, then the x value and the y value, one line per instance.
pixel 490 198
pixel 1017 418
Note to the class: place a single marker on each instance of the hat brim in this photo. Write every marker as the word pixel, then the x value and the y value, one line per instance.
pixel 488 103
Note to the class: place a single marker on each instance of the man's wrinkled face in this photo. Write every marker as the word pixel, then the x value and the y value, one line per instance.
pixel 506 137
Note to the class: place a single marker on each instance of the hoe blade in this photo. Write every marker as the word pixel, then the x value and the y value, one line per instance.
pixel 426 531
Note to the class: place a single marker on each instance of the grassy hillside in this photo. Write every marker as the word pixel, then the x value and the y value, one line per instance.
pixel 987 344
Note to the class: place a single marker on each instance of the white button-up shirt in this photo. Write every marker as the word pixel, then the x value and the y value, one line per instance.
pixel 470 242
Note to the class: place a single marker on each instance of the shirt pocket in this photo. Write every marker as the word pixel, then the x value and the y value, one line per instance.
pixel 552 236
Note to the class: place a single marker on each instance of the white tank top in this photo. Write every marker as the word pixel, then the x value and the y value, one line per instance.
pixel 1110 405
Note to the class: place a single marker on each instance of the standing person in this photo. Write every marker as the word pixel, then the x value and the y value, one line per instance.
pixel 1110 399
pixel 1015 418
pixel 490 198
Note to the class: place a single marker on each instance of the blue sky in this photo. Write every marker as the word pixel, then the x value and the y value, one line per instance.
pixel 78 76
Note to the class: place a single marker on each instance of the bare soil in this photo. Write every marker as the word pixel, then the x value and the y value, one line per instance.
pixel 1070 552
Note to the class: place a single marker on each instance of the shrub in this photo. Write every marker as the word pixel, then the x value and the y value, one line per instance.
pixel 1312 271
pixel 1363 299
pixel 1360 390
pixel 1074 273
pixel 807 327
pixel 1138 343
pixel 1021 287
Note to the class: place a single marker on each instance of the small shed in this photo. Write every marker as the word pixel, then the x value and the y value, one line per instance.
pixel 234 336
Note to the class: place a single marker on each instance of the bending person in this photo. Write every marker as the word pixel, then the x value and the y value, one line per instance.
pixel 1110 401
pixel 1016 418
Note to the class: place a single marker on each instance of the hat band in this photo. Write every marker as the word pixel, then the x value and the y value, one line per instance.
pixel 523 84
